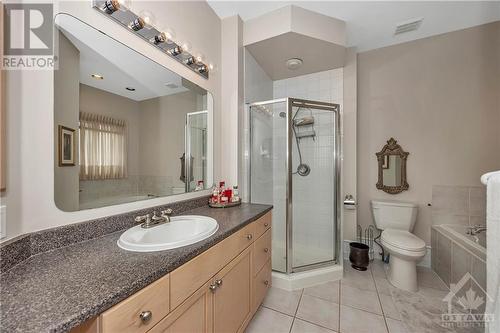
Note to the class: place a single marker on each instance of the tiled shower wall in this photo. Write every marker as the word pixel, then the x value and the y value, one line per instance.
pixel 463 205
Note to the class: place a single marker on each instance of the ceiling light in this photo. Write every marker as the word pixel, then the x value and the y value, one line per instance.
pixel 294 63
pixel 97 76
pixel 175 51
pixel 111 6
pixel 137 24
pixel 130 89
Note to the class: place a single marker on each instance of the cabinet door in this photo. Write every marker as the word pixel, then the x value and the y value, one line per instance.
pixel 232 298
pixel 194 315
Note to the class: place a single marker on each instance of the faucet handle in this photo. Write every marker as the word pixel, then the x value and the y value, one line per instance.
pixel 167 212
pixel 144 218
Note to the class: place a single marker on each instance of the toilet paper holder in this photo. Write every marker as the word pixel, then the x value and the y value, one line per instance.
pixel 349 202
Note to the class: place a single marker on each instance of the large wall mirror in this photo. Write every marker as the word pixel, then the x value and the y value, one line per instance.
pixel 125 127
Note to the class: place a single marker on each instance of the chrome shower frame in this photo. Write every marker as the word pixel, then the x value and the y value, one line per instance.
pixel 290 103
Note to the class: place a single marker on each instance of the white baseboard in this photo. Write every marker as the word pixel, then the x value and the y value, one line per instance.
pixel 306 279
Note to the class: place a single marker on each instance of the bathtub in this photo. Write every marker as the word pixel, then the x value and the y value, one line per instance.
pixel 455 253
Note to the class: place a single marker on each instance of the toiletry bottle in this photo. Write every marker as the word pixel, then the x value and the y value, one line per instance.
pixel 222 193
pixel 236 194
pixel 215 194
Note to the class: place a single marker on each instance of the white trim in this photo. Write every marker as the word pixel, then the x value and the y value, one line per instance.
pixel 306 279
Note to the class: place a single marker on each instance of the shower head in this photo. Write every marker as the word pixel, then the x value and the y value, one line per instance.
pixel 283 114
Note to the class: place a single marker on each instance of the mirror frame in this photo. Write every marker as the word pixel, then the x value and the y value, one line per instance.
pixel 392 148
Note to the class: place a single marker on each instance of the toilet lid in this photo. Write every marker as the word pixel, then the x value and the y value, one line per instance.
pixel 402 239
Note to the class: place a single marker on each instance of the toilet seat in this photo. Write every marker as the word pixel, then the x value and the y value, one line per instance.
pixel 403 240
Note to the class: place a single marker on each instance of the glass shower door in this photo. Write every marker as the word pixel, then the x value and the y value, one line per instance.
pixel 196 148
pixel 313 173
pixel 268 172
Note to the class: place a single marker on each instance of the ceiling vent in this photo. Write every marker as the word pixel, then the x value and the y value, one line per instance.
pixel 408 26
pixel 171 85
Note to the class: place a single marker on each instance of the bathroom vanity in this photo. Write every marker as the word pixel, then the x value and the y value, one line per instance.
pixel 215 285
pixel 217 291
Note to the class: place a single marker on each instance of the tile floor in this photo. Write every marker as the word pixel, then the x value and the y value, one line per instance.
pixel 360 303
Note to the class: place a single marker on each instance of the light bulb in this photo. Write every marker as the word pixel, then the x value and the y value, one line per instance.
pixel 212 67
pixel 199 57
pixel 186 46
pixel 148 18
pixel 124 4
pixel 170 34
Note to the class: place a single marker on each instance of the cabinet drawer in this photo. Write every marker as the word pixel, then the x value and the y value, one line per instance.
pixel 261 284
pixel 193 274
pixel 126 315
pixel 262 251
pixel 262 224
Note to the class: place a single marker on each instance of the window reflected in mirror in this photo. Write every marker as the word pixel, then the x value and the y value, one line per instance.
pixel 135 123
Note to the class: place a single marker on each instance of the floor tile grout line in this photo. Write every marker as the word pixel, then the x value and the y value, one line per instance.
pixel 296 310
pixel 316 324
pixel 340 300
pixel 380 302
pixel 281 312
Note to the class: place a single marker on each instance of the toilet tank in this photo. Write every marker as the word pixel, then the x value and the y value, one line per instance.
pixel 394 214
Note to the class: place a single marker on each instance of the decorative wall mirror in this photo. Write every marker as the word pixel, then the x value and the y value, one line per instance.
pixel 134 129
pixel 392 168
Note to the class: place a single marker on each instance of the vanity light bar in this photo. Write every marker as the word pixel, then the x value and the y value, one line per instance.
pixel 134 23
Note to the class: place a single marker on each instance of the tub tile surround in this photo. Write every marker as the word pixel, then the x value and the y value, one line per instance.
pixel 452 259
pixel 16 250
pixel 464 205
pixel 360 302
pixel 68 285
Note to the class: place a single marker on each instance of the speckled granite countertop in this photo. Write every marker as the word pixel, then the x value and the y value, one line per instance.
pixel 57 290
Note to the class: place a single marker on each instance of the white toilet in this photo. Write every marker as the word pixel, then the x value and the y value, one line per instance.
pixel 396 220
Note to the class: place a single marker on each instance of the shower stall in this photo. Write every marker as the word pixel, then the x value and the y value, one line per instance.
pixel 294 164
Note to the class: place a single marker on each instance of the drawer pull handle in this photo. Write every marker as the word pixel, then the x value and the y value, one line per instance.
pixel 266 225
pixel 146 316
pixel 213 287
pixel 266 282
pixel 249 236
pixel 218 282
pixel 266 250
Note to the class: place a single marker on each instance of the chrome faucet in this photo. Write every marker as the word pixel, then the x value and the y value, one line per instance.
pixel 148 221
pixel 475 229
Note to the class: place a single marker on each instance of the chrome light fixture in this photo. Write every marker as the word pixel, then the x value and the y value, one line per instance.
pixel 143 25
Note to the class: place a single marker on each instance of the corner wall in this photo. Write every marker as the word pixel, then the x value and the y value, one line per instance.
pixel 439 97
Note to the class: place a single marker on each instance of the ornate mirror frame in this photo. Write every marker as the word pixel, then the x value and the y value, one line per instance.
pixel 392 148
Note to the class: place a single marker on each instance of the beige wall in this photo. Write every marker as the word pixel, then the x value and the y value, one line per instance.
pixel 162 134
pixel 439 97
pixel 30 109
pixel 66 94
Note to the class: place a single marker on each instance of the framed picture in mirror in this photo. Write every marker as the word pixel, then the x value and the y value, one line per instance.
pixel 66 146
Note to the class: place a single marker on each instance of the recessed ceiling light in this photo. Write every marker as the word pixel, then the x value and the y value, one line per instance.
pixel 97 76
pixel 294 63
pixel 130 89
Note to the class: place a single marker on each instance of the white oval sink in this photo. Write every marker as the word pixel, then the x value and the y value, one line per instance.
pixel 180 231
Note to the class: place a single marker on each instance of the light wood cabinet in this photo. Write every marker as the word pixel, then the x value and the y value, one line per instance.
pixel 232 297
pixel 141 311
pixel 216 292
pixel 194 315
pixel 262 251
